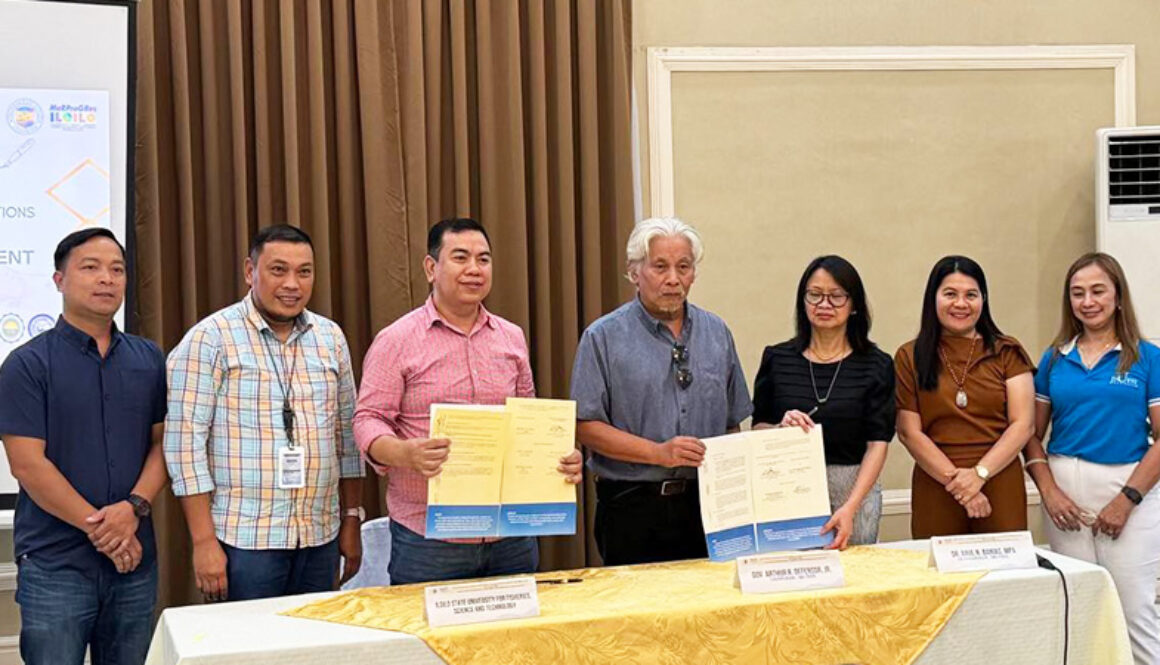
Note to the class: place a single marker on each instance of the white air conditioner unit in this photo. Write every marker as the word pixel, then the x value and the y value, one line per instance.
pixel 1128 213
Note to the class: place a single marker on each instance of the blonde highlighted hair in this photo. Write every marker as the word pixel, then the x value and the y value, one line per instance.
pixel 1127 329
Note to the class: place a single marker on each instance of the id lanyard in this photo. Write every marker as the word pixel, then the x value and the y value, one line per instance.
pixel 291 461
pixel 286 387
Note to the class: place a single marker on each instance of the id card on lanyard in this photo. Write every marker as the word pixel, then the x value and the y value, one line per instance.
pixel 291 468
pixel 291 464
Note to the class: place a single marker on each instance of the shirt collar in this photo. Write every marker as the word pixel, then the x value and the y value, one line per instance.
pixel 303 323
pixel 655 325
pixel 1069 352
pixel 484 319
pixel 82 339
pixel 1070 346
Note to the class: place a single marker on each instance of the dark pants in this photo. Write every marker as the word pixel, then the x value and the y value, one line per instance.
pixel 253 574
pixel 636 523
pixel 63 611
pixel 415 559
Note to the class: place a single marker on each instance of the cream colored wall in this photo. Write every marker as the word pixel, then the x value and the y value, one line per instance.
pixel 890 169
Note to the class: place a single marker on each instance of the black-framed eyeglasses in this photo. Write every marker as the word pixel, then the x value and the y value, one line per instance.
pixel 815 298
pixel 681 361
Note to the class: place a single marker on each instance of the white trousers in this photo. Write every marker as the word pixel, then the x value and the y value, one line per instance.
pixel 1133 559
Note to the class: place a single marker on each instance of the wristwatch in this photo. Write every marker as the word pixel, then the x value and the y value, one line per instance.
pixel 982 472
pixel 359 512
pixel 141 505
pixel 1132 493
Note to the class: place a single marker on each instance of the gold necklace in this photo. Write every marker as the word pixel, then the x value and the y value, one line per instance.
pixel 961 395
pixel 1099 354
pixel 822 359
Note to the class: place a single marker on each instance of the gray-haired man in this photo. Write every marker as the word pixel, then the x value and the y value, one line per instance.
pixel 650 379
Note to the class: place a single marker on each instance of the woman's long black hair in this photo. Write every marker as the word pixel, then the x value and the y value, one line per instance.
pixel 926 360
pixel 858 325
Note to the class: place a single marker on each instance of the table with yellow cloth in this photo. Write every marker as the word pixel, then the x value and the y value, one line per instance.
pixel 890 609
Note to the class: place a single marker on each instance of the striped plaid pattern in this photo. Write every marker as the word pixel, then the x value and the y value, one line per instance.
pixel 420 360
pixel 224 426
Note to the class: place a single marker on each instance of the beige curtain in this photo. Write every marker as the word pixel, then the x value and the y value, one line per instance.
pixel 363 122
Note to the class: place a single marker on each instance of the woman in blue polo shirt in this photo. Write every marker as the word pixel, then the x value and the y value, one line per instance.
pixel 1099 386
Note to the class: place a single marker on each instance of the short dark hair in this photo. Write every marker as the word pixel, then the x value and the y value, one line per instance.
pixel 847 277
pixel 277 233
pixel 926 361
pixel 78 238
pixel 452 225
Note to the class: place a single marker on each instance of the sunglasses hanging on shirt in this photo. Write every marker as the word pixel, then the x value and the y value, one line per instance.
pixel 681 362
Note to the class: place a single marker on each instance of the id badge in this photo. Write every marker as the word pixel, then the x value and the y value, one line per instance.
pixel 291 468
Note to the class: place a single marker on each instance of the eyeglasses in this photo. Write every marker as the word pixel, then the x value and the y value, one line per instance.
pixel 681 360
pixel 837 299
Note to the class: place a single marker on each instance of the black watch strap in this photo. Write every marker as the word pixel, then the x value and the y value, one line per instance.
pixel 141 505
pixel 1132 493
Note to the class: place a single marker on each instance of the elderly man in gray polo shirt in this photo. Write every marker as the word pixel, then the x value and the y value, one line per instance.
pixel 650 380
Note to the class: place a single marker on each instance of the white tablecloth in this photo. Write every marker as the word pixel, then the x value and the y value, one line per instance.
pixel 1011 617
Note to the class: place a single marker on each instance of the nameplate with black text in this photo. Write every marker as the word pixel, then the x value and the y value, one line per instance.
pixel 1009 550
pixel 479 602
pixel 790 571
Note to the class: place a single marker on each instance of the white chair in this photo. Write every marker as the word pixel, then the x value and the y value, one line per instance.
pixel 376 553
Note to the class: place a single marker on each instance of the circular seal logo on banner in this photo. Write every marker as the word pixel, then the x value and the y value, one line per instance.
pixel 11 328
pixel 25 116
pixel 40 323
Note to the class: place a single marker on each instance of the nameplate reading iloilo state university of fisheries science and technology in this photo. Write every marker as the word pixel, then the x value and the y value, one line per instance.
pixel 479 602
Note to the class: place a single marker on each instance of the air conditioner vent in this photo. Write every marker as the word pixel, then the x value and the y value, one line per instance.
pixel 1134 171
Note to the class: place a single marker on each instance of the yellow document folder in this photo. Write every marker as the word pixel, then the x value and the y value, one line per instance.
pixel 500 478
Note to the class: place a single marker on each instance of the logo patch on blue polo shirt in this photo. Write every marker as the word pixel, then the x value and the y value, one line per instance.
pixel 1124 380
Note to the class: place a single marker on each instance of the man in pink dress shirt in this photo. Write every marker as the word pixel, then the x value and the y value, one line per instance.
pixel 448 350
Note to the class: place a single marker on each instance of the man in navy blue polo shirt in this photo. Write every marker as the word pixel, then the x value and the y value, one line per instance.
pixel 81 421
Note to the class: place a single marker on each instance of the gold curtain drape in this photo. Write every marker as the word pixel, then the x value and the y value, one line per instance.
pixel 363 122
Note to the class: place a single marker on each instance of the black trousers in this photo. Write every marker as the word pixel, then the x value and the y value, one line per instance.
pixel 636 523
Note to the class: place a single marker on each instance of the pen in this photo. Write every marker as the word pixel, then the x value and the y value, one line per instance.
pixel 561 580
pixel 812 411
pixel 24 147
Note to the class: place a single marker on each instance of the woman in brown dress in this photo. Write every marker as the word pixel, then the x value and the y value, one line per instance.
pixel 965 401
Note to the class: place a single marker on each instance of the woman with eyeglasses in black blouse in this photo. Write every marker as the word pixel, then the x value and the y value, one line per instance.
pixel 831 374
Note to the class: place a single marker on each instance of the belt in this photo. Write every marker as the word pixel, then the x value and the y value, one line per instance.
pixel 671 487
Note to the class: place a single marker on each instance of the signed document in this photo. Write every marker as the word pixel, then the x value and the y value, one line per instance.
pixel 764 491
pixel 500 477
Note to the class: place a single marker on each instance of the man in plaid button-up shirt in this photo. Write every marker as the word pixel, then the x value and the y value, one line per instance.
pixel 258 438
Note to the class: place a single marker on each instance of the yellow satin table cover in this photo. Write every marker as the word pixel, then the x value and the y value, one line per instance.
pixel 892 606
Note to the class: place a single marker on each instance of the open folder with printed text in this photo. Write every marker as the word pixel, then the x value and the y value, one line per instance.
pixel 500 477
pixel 764 491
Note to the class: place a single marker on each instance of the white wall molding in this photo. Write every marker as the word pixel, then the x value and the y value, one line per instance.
pixel 10 650
pixel 7 577
pixel 663 62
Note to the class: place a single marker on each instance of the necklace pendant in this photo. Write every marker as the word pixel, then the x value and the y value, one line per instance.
pixel 961 399
pixel 823 400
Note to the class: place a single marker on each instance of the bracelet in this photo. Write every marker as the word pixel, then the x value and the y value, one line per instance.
pixel 1035 460
pixel 1132 493
pixel 359 512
